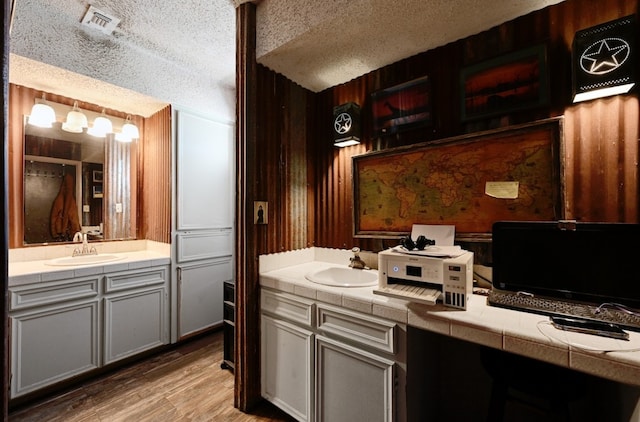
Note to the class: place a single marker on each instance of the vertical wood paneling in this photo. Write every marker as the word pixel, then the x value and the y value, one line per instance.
pixel 601 136
pixel 4 311
pixel 20 102
pixel 154 177
pixel 250 238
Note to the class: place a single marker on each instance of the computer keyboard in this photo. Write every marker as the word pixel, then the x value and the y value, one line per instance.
pixel 552 306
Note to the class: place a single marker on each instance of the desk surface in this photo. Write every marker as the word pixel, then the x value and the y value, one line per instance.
pixel 518 332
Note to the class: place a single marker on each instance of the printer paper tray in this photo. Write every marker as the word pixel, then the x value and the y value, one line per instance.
pixel 409 292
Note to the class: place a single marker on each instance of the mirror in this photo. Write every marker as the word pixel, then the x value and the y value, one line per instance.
pixel 70 181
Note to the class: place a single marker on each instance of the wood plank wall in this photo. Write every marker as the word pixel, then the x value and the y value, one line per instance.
pixel 154 178
pixel 151 205
pixel 601 136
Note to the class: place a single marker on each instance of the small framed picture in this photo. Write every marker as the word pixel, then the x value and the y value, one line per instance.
pixel 260 212
pixel 97 176
pixel 97 191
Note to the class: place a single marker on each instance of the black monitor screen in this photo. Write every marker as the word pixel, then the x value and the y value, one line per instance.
pixel 590 262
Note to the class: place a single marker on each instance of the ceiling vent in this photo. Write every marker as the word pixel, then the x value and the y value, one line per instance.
pixel 97 19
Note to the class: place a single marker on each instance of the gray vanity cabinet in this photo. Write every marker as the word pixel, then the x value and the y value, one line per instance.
pixel 55 332
pixel 136 312
pixel 200 288
pixel 203 216
pixel 64 328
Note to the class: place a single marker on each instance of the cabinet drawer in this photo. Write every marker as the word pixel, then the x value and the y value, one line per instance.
pixel 28 296
pixel 358 328
pixel 287 306
pixel 136 278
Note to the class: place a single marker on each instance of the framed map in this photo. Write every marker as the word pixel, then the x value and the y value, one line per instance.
pixel 469 181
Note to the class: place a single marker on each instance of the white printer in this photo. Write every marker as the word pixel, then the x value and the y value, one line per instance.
pixel 425 279
pixel 426 276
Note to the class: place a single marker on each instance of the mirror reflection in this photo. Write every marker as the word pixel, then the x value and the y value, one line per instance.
pixel 65 185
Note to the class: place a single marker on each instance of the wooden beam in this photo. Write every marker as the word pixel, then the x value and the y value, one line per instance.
pixel 247 299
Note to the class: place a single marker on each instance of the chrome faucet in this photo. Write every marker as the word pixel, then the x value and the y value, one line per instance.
pixel 79 236
pixel 356 262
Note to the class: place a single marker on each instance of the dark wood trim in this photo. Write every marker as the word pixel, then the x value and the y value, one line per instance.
pixel 247 350
pixel 4 354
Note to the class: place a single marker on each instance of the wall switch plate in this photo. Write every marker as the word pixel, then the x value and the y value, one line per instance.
pixel 118 207
pixel 86 208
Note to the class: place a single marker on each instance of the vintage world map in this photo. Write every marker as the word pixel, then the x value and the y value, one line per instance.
pixel 448 183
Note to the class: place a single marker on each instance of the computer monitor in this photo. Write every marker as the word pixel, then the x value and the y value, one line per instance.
pixel 586 262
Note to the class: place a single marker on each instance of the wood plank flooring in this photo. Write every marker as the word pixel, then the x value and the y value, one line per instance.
pixel 184 383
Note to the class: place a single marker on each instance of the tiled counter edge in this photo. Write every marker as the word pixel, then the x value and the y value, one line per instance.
pixel 29 265
pixel 513 331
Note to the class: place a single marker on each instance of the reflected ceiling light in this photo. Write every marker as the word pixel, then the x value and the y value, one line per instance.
pixel 76 120
pixel 101 126
pixel 42 115
pixel 129 132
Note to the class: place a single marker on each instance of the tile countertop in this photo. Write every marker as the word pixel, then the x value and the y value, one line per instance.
pixel 29 265
pixel 513 331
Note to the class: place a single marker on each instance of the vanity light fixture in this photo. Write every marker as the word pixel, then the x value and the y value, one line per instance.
pixel 129 131
pixel 76 120
pixel 101 126
pixel 42 114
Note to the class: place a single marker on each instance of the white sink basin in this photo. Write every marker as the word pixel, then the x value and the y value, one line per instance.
pixel 343 277
pixel 84 260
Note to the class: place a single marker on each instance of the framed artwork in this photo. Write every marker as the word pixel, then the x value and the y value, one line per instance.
pixel 260 212
pixel 97 191
pixel 97 176
pixel 469 181
pixel 512 82
pixel 402 107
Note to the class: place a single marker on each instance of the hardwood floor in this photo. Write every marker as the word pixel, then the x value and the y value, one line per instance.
pixel 184 383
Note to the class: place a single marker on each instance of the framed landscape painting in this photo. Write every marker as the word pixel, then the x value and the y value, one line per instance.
pixel 513 82
pixel 401 107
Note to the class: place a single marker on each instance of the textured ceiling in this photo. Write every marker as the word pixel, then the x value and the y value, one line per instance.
pixel 183 52
pixel 320 44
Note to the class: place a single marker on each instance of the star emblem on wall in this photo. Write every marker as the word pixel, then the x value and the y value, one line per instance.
pixel 342 123
pixel 604 56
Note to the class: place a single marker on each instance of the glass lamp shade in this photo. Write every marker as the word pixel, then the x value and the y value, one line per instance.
pixel 131 130
pixel 42 115
pixel 101 126
pixel 76 120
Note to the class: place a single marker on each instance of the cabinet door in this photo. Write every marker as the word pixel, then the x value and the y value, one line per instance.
pixel 286 367
pixel 352 385
pixel 52 344
pixel 135 322
pixel 201 297
pixel 204 172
